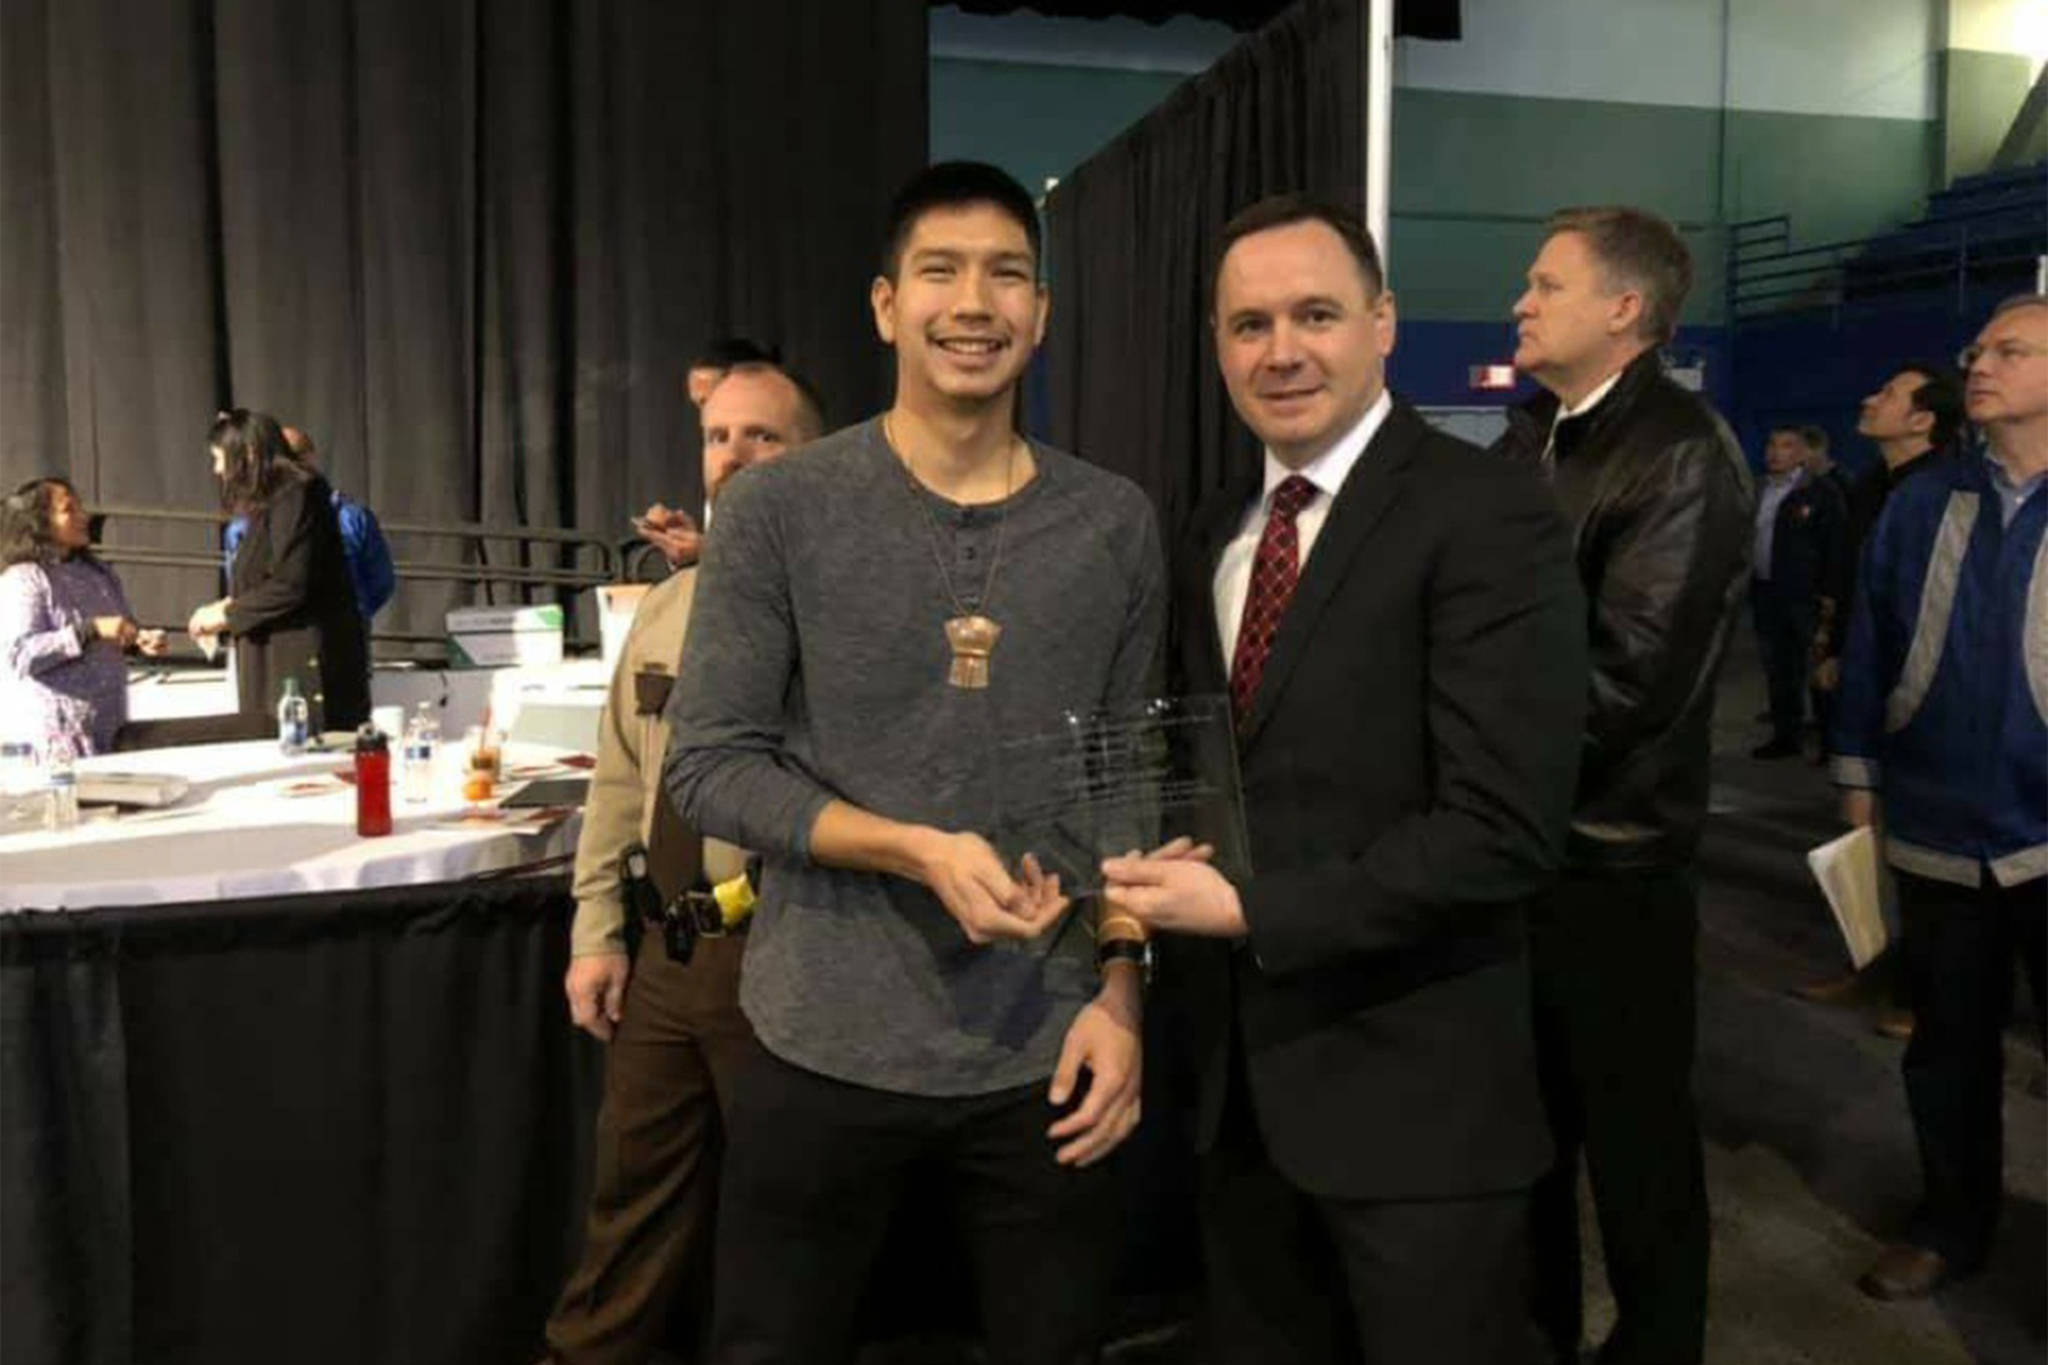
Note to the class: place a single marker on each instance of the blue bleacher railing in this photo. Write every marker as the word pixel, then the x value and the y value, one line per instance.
pixel 1983 230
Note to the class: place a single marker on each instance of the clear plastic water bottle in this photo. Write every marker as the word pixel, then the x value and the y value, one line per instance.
pixel 60 793
pixel 293 719
pixel 422 738
pixel 21 786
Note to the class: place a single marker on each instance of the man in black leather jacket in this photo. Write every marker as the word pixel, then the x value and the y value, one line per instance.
pixel 1659 500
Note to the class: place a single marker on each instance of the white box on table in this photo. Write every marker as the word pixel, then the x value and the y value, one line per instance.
pixel 491 637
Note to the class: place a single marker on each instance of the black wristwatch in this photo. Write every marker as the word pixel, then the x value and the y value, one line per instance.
pixel 1126 950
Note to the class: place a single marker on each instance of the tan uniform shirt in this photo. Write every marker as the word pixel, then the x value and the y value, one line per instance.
pixel 631 744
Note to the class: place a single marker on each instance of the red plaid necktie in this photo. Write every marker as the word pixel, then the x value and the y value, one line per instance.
pixel 1275 569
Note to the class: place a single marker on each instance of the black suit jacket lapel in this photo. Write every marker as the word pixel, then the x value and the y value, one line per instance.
pixel 1372 487
pixel 1218 521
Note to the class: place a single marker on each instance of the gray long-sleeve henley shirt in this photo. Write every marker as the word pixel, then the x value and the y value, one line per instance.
pixel 815 668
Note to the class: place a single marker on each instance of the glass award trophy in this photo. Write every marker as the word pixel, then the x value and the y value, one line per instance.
pixel 1099 784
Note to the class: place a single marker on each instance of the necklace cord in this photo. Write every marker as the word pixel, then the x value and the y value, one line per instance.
pixel 916 493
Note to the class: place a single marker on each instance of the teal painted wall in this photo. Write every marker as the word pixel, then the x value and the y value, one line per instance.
pixel 1981 94
pixel 1475 174
pixel 1034 120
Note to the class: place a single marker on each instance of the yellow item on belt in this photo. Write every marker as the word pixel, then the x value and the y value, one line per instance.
pixel 735 897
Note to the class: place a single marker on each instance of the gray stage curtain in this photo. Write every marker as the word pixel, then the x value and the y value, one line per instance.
pixel 468 244
pixel 1131 374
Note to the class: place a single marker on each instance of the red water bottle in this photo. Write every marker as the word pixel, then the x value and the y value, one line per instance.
pixel 373 782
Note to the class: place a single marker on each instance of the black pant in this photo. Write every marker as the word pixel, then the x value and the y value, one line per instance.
pixel 1959 946
pixel 1784 636
pixel 1308 1280
pixel 673 1063
pixel 814 1171
pixel 1612 961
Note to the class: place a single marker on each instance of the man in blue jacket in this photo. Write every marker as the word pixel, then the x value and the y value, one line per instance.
pixel 1941 718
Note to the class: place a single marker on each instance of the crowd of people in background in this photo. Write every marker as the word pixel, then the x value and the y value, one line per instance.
pixel 1812 521
pixel 1472 694
pixel 306 568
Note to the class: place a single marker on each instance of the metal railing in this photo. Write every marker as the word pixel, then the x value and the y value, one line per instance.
pixel 609 557
pixel 1766 274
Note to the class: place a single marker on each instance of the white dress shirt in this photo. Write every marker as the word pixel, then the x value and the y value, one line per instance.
pixel 1327 472
pixel 1776 489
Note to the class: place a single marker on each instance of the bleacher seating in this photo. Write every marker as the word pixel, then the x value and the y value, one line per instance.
pixel 1987 228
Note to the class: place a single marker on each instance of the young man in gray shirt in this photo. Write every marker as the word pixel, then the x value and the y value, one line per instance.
pixel 875 618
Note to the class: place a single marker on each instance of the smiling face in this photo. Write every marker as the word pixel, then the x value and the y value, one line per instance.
pixel 70 527
pixel 1301 339
pixel 965 310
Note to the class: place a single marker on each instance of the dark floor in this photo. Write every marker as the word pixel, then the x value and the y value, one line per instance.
pixel 1810 1153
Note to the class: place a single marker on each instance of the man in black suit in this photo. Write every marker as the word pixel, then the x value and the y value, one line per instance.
pixel 1397 621
pixel 1798 564
pixel 1658 498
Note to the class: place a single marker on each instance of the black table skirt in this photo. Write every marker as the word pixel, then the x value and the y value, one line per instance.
pixel 356 1128
pixel 318 1128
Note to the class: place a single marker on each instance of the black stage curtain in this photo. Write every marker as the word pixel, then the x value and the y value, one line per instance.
pixel 469 246
pixel 318 1129
pixel 334 1129
pixel 1131 372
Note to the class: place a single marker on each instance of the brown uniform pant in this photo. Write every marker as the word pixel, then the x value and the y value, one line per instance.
pixel 669 1073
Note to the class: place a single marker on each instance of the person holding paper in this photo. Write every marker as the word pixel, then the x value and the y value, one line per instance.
pixel 1913 419
pixel 65 626
pixel 370 569
pixel 291 609
pixel 1942 725
pixel 873 618
pixel 1397 622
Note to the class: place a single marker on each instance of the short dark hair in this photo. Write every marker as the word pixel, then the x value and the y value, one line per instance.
pixel 956 184
pixel 722 353
pixel 1637 250
pixel 1281 210
pixel 1940 395
pixel 812 407
pixel 1805 432
pixel 255 461
pixel 25 523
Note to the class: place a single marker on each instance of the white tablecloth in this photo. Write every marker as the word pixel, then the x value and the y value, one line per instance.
pixel 460 696
pixel 241 832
